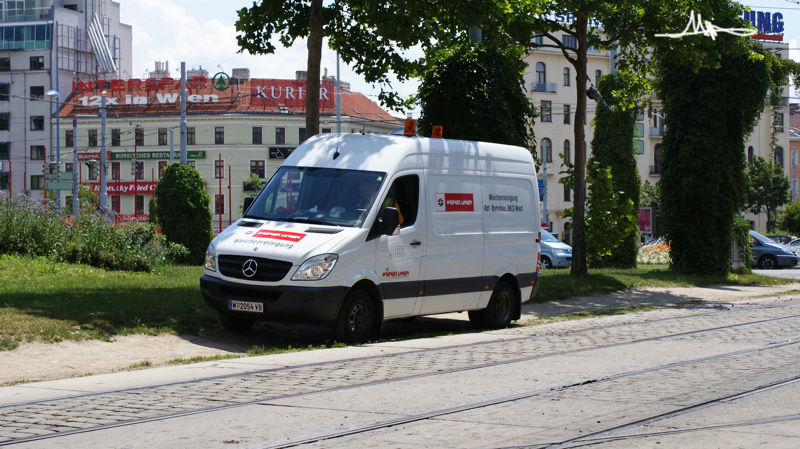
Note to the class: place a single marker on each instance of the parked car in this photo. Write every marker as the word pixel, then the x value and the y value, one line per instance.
pixel 769 254
pixel 785 239
pixel 555 254
pixel 795 245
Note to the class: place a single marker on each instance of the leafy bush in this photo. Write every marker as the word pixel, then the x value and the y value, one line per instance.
pixel 182 209
pixel 31 228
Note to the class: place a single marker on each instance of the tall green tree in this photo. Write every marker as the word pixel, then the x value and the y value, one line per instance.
pixel 289 20
pixel 703 178
pixel 475 92
pixel 767 189
pixel 613 178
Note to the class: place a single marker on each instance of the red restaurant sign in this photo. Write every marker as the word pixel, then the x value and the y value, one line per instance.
pixel 122 187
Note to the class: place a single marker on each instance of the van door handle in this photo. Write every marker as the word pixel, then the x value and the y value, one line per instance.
pixel 415 243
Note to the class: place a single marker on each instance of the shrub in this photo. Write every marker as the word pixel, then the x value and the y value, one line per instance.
pixel 182 209
pixel 31 228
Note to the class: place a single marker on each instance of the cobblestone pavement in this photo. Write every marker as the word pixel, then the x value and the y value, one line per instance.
pixel 588 375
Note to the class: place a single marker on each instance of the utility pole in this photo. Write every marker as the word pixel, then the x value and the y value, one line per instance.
pixel 183 113
pixel 103 184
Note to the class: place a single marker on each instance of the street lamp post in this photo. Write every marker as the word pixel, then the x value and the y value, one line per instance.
pixel 103 182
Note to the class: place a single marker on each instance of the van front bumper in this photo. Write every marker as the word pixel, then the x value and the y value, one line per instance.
pixel 282 304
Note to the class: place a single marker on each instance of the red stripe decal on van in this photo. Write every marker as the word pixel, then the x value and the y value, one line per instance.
pixel 279 235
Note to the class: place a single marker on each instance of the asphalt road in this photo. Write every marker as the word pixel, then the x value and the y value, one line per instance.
pixel 788 273
pixel 718 370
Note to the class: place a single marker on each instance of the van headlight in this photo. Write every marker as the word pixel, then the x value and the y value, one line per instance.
pixel 211 258
pixel 315 268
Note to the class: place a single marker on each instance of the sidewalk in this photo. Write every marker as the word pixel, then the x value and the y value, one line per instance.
pixel 135 349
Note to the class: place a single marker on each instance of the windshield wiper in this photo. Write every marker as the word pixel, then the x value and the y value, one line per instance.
pixel 308 220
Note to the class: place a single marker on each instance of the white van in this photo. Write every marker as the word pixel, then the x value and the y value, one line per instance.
pixel 353 230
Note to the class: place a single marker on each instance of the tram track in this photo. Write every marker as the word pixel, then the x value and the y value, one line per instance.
pixel 8 410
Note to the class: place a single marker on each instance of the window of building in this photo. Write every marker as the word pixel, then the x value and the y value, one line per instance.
pixel 37 182
pixel 92 137
pixel 302 135
pixel 115 171
pixel 538 40
pixel 92 174
pixel 161 166
pixel 280 136
pixel 656 167
pixel 37 122
pixel 569 41
pixel 257 135
pixel 5 64
pixel 69 167
pixel 778 155
pixel 139 133
pixel 219 169
pixel 37 62
pixel 139 205
pixel 258 168
pixel 116 205
pixel 37 152
pixel 546 111
pixel 566 76
pixel 219 135
pixel 326 130
pixel 541 74
pixel 567 114
pixel 567 193
pixel 116 137
pixel 4 150
pixel 597 75
pixel 3 180
pixel 192 164
pixel 4 121
pixel 567 150
pixel 4 91
pixel 162 136
pixel 36 93
pixel 779 122
pixel 139 170
pixel 69 138
pixel 190 135
pixel 547 150
pixel 219 204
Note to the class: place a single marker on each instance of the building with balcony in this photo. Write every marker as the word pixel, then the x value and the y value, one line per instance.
pixel 554 129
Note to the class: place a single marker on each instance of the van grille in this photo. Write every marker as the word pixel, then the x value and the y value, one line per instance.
pixel 266 270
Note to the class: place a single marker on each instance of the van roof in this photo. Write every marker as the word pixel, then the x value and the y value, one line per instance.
pixel 382 152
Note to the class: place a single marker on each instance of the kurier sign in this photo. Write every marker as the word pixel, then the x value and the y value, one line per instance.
pixel 289 93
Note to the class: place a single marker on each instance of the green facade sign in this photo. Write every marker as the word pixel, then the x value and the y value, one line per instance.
pixel 147 155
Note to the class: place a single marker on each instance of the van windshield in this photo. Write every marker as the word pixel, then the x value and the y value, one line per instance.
pixel 317 195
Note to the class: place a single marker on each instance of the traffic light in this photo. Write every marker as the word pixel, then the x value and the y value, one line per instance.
pixel 93 166
pixel 52 171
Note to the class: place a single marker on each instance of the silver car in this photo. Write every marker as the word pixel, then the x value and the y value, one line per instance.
pixel 554 253
pixel 768 254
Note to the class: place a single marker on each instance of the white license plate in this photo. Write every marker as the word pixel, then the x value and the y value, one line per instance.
pixel 244 306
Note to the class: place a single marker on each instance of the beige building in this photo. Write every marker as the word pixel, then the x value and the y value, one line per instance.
pixel 235 126
pixel 550 80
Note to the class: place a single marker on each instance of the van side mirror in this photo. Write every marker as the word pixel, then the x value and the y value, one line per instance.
pixel 248 200
pixel 388 221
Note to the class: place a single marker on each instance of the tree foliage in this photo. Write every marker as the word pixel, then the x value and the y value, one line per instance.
pixel 702 158
pixel 475 92
pixel 613 197
pixel 767 189
pixel 182 208
pixel 789 219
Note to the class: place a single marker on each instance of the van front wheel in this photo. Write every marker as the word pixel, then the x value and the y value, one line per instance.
pixel 498 312
pixel 356 318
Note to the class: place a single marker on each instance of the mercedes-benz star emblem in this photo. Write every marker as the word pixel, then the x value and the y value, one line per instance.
pixel 249 268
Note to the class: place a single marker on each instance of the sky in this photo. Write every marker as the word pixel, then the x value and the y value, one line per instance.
pixel 202 33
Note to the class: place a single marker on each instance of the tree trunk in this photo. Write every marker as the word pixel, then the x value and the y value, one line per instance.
pixel 578 267
pixel 313 70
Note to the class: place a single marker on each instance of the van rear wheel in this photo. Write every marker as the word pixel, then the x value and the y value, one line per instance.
pixel 499 311
pixel 356 318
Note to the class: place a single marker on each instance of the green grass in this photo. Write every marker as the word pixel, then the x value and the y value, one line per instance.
pixel 559 284
pixel 46 301
pixel 42 300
